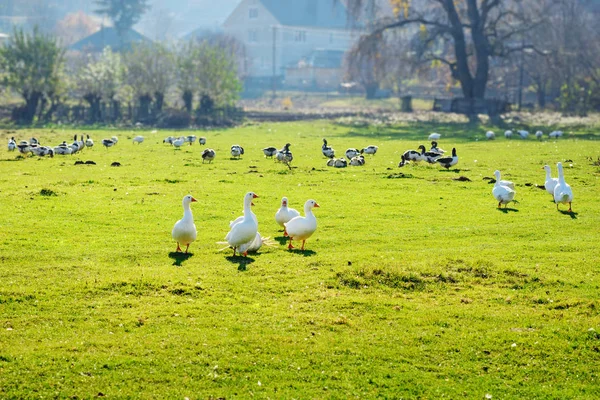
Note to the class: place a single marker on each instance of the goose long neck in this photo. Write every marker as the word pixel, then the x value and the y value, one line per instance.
pixel 247 207
pixel 187 212
pixel 561 175
pixel 308 211
pixel 548 177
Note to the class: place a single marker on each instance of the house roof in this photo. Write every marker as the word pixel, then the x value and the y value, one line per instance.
pixel 309 13
pixel 108 36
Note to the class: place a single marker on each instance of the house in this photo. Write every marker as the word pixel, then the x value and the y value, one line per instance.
pixel 108 36
pixel 319 70
pixel 279 33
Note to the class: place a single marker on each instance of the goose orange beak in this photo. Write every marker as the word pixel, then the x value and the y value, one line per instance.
pixel 194 200
pixel 254 195
pixel 317 205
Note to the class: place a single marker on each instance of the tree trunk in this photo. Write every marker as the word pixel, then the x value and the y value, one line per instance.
pixel 94 102
pixel 31 104
pixel 144 107
pixel 158 102
pixel 188 97
pixel 371 90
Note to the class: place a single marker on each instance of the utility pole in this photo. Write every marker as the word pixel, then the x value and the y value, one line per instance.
pixel 521 75
pixel 274 77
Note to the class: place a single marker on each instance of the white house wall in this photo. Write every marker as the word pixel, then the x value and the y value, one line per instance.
pixel 255 29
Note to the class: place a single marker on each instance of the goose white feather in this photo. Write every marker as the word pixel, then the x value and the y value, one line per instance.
pixel 184 231
pixel 562 191
pixel 301 228
pixel 503 194
pixel 244 231
pixel 550 182
pixel 285 214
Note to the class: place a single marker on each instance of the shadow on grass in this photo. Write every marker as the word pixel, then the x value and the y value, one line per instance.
pixel 282 239
pixel 572 214
pixel 507 210
pixel 305 253
pixel 456 170
pixel 241 261
pixel 179 257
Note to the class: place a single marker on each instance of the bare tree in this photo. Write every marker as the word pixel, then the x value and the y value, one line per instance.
pixel 462 34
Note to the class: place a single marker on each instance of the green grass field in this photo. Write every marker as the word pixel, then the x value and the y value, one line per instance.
pixel 414 286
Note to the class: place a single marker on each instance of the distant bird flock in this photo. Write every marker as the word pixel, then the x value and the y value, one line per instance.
pixel 243 236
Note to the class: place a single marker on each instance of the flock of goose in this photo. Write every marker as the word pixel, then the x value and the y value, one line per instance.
pixel 523 134
pixel 504 191
pixel 243 235
pixel 33 146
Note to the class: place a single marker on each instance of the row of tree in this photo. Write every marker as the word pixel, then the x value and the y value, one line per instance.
pixel 551 46
pixel 36 67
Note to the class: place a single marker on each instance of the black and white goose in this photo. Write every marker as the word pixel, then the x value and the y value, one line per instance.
pixel 63 149
pixel 285 155
pixel 108 143
pixel 42 151
pixel 328 151
pixel 270 151
pixel 369 150
pixel 357 161
pixel 431 156
pixel 24 147
pixel 237 151
pixel 402 162
pixel 89 142
pixel 414 155
pixel 351 152
pixel 12 145
pixel 448 162
pixel 208 155
pixel 435 149
pixel 190 139
pixel 202 140
pixel 337 162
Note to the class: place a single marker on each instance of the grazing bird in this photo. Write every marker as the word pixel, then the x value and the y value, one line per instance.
pixel 237 151
pixel 24 147
pixel 168 139
pixel 138 139
pixel 89 142
pixel 550 182
pixel 402 162
pixel 503 194
pixel 114 139
pixel 539 135
pixel 490 135
pixel 42 151
pixel 327 151
pixel 190 139
pixel 270 151
pixel 63 149
pixel 184 231
pixel 208 155
pixel 430 156
pixel 523 134
pixel 508 134
pixel 357 161
pixel 301 228
pixel 202 140
pixel 245 230
pixel 284 214
pixel 414 155
pixel 562 190
pixel 108 143
pixel 285 155
pixel 448 162
pixel 369 150
pixel 351 152
pixel 177 143
pixel 35 141
pixel 435 149
pixel 12 145
pixel 555 134
pixel 434 136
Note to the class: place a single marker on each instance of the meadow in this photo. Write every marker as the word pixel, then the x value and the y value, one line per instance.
pixel 414 286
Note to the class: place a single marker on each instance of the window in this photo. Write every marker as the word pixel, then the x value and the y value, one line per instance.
pixel 300 36
pixel 252 36
pixel 253 13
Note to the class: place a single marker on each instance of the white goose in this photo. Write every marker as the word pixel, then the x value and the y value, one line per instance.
pixel 285 214
pixel 508 134
pixel 184 231
pixel 301 228
pixel 177 143
pixel 434 136
pixel 539 135
pixel 562 191
pixel 490 135
pixel 550 182
pixel 503 194
pixel 503 182
pixel 138 139
pixel 245 230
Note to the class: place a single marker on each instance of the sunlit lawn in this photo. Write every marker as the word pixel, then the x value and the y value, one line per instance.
pixel 414 286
